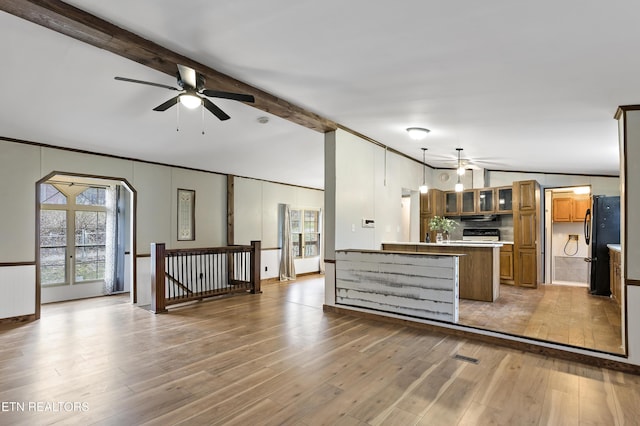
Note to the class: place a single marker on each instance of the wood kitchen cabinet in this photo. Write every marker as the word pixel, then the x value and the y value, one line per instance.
pixel 506 264
pixel 431 204
pixel 468 201
pixel 505 199
pixel 486 201
pixel 527 252
pixel 452 203
pixel 615 275
pixel 570 209
pixel 580 207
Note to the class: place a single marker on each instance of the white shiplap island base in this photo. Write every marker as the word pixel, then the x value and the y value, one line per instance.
pixel 414 284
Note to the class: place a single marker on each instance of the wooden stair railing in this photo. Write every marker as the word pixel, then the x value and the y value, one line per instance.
pixel 183 275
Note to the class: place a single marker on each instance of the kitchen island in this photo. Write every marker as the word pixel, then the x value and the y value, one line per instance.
pixel 417 285
pixel 479 269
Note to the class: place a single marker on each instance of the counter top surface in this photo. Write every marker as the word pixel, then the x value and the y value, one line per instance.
pixel 615 247
pixel 454 243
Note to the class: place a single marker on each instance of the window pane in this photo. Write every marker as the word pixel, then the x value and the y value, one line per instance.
pixel 311 245
pixel 296 242
pixel 49 194
pixel 296 223
pixel 90 239
pixel 52 265
pixel 53 228
pixel 91 197
pixel 310 221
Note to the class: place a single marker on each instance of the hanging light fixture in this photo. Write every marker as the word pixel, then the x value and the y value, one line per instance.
pixel 459 186
pixel 417 133
pixel 424 188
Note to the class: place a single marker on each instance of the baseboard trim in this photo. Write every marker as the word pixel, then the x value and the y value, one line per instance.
pixel 504 342
pixel 18 319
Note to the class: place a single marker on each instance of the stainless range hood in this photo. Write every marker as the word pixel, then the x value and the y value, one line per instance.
pixel 480 218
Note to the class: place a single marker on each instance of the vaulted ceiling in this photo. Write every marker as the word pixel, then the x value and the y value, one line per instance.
pixel 527 87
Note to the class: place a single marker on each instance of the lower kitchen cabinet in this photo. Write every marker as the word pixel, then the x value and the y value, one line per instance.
pixel 527 268
pixel 506 264
pixel 615 275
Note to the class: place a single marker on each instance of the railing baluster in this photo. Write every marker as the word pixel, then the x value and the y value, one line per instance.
pixel 182 275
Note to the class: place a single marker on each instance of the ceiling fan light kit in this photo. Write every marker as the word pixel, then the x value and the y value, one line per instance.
pixel 190 100
pixel 193 90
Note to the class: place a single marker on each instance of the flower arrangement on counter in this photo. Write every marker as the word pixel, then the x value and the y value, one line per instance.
pixel 441 224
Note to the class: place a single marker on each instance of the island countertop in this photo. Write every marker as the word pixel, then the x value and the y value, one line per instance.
pixel 453 243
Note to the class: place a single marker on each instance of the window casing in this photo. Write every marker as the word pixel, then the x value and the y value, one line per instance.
pixel 305 233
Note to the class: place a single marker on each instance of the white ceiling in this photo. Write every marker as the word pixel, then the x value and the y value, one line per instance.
pixel 520 86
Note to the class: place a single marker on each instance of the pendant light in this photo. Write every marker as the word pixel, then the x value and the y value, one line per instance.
pixel 424 188
pixel 459 186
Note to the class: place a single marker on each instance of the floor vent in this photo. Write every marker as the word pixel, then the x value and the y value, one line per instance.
pixel 466 359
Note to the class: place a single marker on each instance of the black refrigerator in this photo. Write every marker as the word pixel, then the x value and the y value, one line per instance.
pixel 601 227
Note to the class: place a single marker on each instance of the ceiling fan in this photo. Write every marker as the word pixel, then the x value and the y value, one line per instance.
pixel 192 88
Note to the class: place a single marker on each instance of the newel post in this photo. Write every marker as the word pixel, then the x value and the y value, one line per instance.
pixel 255 266
pixel 157 278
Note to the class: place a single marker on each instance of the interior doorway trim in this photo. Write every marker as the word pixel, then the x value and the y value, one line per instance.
pixel 133 239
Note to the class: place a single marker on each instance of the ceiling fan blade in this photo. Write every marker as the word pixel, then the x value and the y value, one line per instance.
pixel 187 75
pixel 165 106
pixel 228 95
pixel 215 110
pixel 148 83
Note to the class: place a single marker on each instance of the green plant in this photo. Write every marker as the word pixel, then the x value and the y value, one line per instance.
pixel 441 224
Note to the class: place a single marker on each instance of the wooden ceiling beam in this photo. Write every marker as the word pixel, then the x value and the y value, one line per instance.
pixel 80 25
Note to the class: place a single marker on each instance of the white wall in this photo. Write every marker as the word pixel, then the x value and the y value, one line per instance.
pixel 599 185
pixel 365 190
pixel 257 210
pixel 22 165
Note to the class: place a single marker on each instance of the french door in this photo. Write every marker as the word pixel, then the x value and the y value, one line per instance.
pixel 73 234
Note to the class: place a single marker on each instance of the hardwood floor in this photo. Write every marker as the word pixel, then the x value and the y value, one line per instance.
pixel 277 359
pixel 557 313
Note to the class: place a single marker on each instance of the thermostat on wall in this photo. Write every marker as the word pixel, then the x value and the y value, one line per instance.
pixel 368 223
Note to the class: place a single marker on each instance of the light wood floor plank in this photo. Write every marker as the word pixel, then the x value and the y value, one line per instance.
pixel 277 359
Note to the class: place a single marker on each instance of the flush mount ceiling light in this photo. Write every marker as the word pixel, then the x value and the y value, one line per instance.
pixel 424 188
pixel 417 133
pixel 459 186
pixel 190 100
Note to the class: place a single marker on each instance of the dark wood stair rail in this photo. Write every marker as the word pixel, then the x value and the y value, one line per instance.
pixel 183 275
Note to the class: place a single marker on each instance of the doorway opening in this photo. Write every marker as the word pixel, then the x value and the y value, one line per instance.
pixel 566 247
pixel 409 229
pixel 84 232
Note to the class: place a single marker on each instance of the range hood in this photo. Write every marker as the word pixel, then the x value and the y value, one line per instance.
pixel 480 218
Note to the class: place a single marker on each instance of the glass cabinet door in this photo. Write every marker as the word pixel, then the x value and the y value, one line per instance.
pixel 486 201
pixel 504 200
pixel 469 201
pixel 451 203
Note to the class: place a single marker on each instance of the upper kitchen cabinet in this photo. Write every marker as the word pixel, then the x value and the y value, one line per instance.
pixel 505 199
pixel 452 203
pixel 469 201
pixel 431 203
pixel 570 209
pixel 486 201
pixel 528 194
